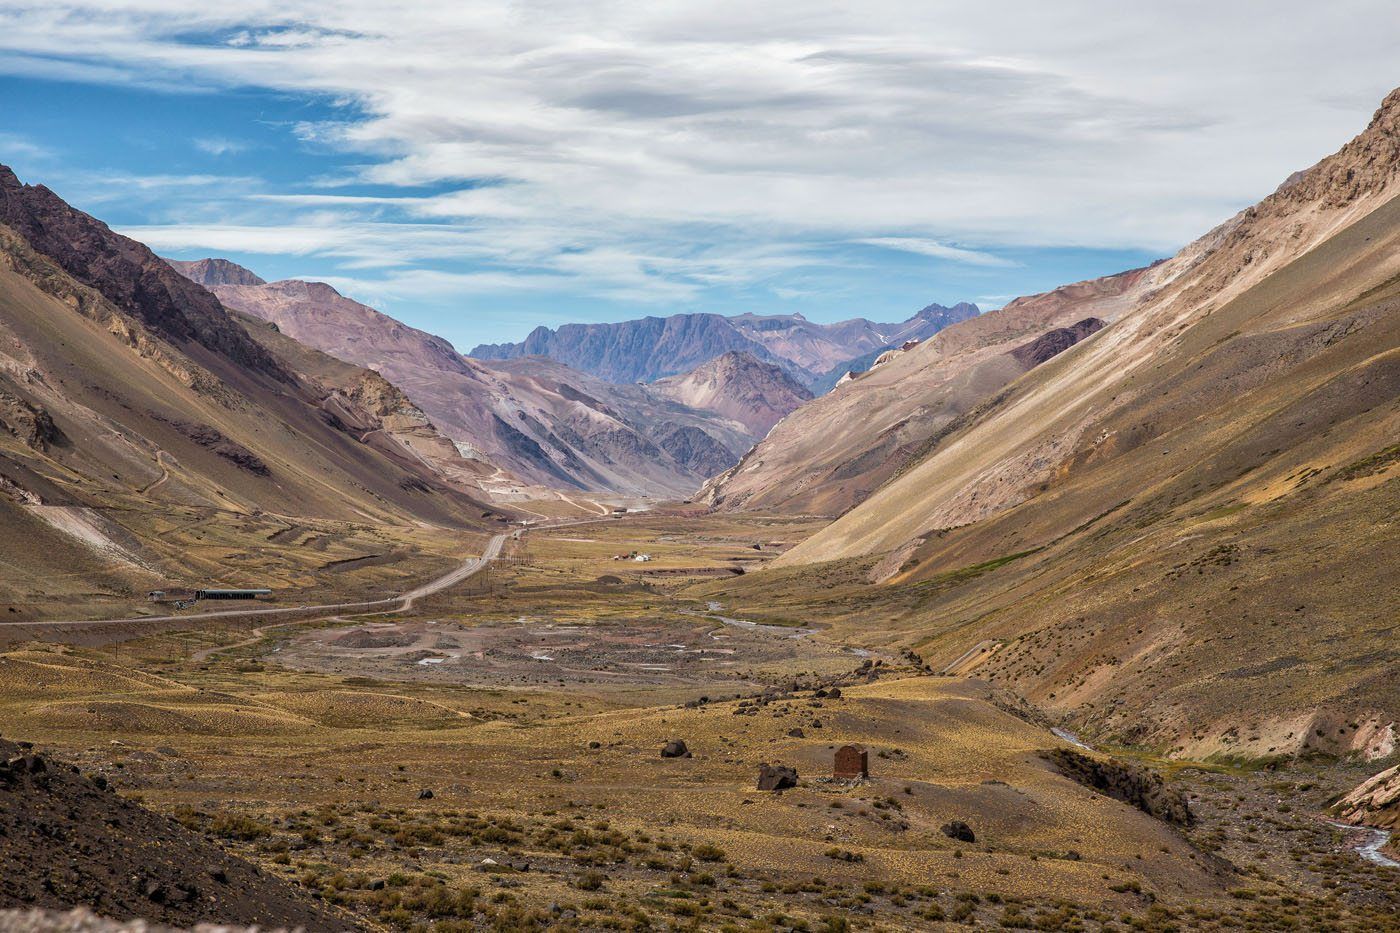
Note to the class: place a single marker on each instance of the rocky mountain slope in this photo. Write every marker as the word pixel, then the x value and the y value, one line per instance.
pixel 123 861
pixel 834 451
pixel 653 348
pixel 137 416
pixel 1180 531
pixel 740 387
pixel 532 420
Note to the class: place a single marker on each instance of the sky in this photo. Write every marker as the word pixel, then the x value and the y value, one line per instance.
pixel 481 168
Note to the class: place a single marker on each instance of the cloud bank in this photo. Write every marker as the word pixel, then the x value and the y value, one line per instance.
pixel 649 151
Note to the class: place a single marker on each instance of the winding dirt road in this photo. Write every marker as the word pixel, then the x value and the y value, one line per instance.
pixel 400 603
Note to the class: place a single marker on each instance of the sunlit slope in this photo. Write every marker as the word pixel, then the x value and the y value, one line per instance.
pixel 1182 530
pixel 1238 325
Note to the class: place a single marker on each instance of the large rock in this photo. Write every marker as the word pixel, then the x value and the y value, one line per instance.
pixel 957 829
pixel 675 749
pixel 776 777
pixel 1376 802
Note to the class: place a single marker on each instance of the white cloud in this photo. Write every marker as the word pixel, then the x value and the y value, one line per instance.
pixel 610 144
pixel 219 146
pixel 14 146
pixel 933 248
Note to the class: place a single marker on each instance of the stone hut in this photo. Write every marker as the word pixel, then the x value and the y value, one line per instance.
pixel 851 763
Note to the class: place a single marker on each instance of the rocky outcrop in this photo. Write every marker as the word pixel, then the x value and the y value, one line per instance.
pixel 958 830
pixel 1375 802
pixel 1054 342
pixel 212 439
pixel 1138 787
pixel 776 777
pixel 30 423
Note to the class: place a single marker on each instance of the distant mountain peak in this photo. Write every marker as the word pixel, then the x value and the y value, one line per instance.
pixel 214 271
pixel 738 385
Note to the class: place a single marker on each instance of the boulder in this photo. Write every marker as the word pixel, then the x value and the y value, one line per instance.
pixel 675 749
pixel 957 829
pixel 776 777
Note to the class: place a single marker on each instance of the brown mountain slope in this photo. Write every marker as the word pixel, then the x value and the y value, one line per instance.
pixel 535 420
pixel 834 451
pixel 367 404
pixel 125 861
pixel 1182 532
pixel 740 387
pixel 132 452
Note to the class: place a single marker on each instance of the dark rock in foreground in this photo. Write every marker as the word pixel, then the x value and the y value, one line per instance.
pixel 122 860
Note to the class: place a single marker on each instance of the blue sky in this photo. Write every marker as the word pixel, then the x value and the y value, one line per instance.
pixel 481 169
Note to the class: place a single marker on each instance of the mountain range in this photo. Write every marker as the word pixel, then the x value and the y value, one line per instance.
pixel 532 421
pixel 653 348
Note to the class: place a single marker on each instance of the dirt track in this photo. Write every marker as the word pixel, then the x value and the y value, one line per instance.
pixel 405 601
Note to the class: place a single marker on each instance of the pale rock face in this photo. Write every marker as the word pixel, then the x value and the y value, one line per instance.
pixel 1375 802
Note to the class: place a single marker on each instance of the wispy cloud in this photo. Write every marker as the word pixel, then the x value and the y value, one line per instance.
pixel 14 146
pixel 936 250
pixel 219 146
pixel 652 152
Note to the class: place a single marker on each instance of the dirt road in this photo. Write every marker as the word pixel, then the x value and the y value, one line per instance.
pixel 400 603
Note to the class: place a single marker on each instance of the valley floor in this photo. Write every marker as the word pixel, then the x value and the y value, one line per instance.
pixel 493 759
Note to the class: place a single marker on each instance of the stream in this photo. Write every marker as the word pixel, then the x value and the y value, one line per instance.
pixel 713 609
pixel 1370 846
